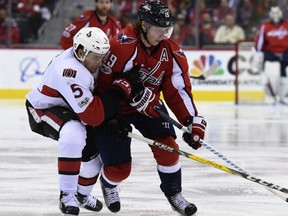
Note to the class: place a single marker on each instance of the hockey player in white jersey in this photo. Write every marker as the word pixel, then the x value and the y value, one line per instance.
pixel 65 108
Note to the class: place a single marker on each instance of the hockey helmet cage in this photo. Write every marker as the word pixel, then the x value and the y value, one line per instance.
pixel 155 13
pixel 92 39
pixel 275 14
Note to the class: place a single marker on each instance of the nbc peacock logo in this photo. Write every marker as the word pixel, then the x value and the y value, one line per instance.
pixel 203 64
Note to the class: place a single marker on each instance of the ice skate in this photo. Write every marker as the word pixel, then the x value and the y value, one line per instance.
pixel 181 205
pixel 68 204
pixel 111 197
pixel 89 202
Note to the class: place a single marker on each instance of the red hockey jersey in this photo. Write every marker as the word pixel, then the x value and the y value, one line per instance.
pixel 89 19
pixel 272 37
pixel 163 68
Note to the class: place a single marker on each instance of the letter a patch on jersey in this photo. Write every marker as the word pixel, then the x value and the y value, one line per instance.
pixel 68 72
pixel 164 55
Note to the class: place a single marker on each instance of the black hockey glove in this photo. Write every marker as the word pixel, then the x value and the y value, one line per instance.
pixel 117 129
pixel 134 83
pixel 196 126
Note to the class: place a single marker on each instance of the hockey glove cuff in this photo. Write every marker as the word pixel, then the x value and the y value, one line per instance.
pixel 196 126
pixel 145 102
pixel 129 81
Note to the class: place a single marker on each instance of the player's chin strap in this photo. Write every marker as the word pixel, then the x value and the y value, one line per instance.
pixel 216 152
pixel 210 163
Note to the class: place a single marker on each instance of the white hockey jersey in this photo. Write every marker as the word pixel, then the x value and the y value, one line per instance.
pixel 66 82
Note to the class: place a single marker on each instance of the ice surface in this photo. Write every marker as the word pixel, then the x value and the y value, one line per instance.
pixel 255 137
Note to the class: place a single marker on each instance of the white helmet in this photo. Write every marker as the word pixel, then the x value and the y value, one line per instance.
pixel 275 14
pixel 92 39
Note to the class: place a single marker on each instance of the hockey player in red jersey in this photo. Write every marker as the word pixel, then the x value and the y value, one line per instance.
pixel 163 67
pixel 63 108
pixel 272 42
pixel 92 18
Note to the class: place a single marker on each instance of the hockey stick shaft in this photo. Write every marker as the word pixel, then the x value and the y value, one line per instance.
pixel 214 151
pixel 185 130
pixel 207 162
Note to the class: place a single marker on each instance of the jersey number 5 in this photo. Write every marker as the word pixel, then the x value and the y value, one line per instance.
pixel 76 90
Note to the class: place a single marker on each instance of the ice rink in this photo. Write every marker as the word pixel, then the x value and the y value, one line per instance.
pixel 255 137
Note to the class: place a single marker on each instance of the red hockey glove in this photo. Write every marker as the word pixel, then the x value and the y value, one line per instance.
pixel 128 82
pixel 145 101
pixel 196 126
pixel 124 86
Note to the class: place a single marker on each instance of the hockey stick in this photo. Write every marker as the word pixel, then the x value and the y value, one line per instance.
pixel 208 162
pixel 208 72
pixel 214 151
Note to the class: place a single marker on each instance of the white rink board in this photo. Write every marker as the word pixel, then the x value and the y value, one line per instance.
pixel 22 68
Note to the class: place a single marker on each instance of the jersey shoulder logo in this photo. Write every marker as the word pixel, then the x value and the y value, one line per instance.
pixel 179 53
pixel 105 69
pixel 82 17
pixel 68 72
pixel 124 39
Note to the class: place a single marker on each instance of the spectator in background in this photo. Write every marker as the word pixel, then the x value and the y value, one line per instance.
pixel 183 34
pixel 100 17
pixel 7 23
pixel 248 18
pixel 124 11
pixel 219 14
pixel 179 33
pixel 3 3
pixel 31 12
pixel 189 39
pixel 283 5
pixel 229 33
pixel 202 10
pixel 213 4
pixel 234 3
pixel 207 30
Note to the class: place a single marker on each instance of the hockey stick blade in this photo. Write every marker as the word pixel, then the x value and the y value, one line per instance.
pixel 208 72
pixel 208 162
pixel 214 151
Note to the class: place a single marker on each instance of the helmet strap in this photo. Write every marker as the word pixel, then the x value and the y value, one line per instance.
pixel 81 57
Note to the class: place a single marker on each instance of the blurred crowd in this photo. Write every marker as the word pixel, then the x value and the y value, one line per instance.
pixel 20 20
pixel 197 22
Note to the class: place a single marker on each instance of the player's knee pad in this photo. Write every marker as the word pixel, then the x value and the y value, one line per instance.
pixel 91 168
pixel 117 173
pixel 72 139
pixel 163 157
